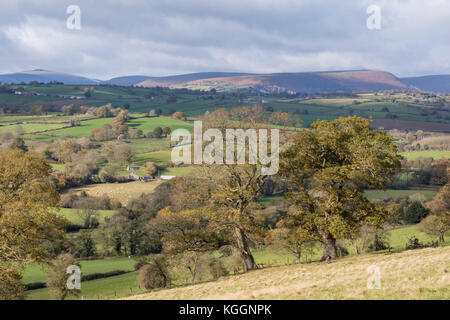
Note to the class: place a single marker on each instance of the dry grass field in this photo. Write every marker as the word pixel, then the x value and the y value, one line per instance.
pixel 123 192
pixel 413 274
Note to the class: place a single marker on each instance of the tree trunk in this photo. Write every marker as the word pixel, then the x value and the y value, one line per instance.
pixel 329 249
pixel 248 262
pixel 192 272
pixel 297 257
pixel 441 237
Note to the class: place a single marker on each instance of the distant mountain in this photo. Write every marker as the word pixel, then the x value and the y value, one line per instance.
pixel 126 80
pixel 357 81
pixel 183 79
pixel 328 81
pixel 434 83
pixel 45 76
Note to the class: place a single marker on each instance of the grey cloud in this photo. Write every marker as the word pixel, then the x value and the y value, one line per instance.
pixel 121 37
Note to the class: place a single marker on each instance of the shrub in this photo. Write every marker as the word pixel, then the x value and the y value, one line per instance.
pixel 217 268
pixel 154 274
pixel 106 174
pixel 413 243
pixel 436 225
pixel 341 249
pixel 84 245
pixel 415 212
pixel 58 276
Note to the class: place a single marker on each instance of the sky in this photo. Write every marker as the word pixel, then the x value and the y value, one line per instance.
pixel 167 37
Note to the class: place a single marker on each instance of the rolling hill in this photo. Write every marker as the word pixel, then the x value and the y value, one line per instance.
pixel 45 76
pixel 412 274
pixel 319 82
pixel 436 83
pixel 349 81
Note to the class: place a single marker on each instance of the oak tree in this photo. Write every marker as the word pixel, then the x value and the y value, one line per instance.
pixel 328 168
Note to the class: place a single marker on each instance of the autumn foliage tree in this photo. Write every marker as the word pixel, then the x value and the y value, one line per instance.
pixel 328 168
pixel 27 225
pixel 58 276
pixel 233 201
pixel 438 222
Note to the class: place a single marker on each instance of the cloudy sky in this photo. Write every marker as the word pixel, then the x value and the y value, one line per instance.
pixel 157 37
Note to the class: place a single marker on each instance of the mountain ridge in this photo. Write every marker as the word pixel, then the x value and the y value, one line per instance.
pixel 320 81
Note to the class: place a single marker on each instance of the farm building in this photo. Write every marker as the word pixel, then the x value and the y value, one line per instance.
pixel 136 177
pixel 166 177
pixel 132 167
pixel 121 137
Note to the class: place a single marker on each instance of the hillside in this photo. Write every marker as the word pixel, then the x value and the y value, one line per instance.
pixel 312 82
pixel 45 76
pixel 413 274
pixel 434 83
pixel 349 81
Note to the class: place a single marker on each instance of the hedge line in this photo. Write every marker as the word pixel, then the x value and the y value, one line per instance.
pixel 88 277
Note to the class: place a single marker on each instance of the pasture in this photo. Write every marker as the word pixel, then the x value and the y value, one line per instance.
pixel 32 127
pixel 149 124
pixel 413 274
pixel 436 155
pixel 381 195
pixel 73 215
pixel 155 156
pixel 123 192
pixel 84 130
pixel 37 272
pixel 370 194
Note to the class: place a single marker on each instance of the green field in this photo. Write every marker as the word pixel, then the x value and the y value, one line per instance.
pixel 106 288
pixel 55 130
pixel 370 194
pixel 380 194
pixel 84 130
pixel 73 217
pixel 147 145
pixel 32 127
pixel 377 106
pixel 155 156
pixel 149 124
pixel 436 155
pixel 36 273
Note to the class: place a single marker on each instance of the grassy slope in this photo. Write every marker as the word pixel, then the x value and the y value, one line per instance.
pixel 414 274
pixel 123 285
